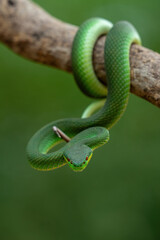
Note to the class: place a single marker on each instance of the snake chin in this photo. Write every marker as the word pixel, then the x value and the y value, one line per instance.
pixel 78 157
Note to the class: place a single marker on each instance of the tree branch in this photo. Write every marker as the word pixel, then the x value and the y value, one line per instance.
pixel 32 33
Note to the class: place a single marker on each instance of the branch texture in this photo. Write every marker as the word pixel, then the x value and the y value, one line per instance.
pixel 32 33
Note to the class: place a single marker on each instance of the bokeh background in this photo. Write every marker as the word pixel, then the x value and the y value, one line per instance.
pixel 118 196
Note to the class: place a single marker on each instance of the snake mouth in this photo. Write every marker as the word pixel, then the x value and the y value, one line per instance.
pixel 78 167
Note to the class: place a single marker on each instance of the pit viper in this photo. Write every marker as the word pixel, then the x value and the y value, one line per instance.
pixel 91 131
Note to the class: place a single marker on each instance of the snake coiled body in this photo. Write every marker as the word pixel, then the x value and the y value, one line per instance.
pixel 92 131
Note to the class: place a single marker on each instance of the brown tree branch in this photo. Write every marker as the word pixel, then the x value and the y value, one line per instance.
pixel 32 33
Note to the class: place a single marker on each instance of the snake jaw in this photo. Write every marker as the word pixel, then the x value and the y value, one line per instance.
pixel 83 165
pixel 78 168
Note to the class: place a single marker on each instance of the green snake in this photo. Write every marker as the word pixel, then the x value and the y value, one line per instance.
pixel 91 131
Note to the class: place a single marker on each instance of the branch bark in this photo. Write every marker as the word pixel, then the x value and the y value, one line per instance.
pixel 32 33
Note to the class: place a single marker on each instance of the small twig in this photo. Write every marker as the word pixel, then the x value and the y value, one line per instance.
pixel 61 134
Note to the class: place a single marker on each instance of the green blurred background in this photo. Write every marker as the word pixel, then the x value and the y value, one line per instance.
pixel 118 196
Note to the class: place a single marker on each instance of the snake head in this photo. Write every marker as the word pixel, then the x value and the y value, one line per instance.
pixel 78 156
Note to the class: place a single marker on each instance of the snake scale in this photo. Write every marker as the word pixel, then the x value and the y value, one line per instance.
pixel 91 131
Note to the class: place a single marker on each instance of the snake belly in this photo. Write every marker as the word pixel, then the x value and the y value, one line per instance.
pixel 91 132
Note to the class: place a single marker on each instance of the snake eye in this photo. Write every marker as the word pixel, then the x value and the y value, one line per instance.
pixel 68 159
pixel 87 158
